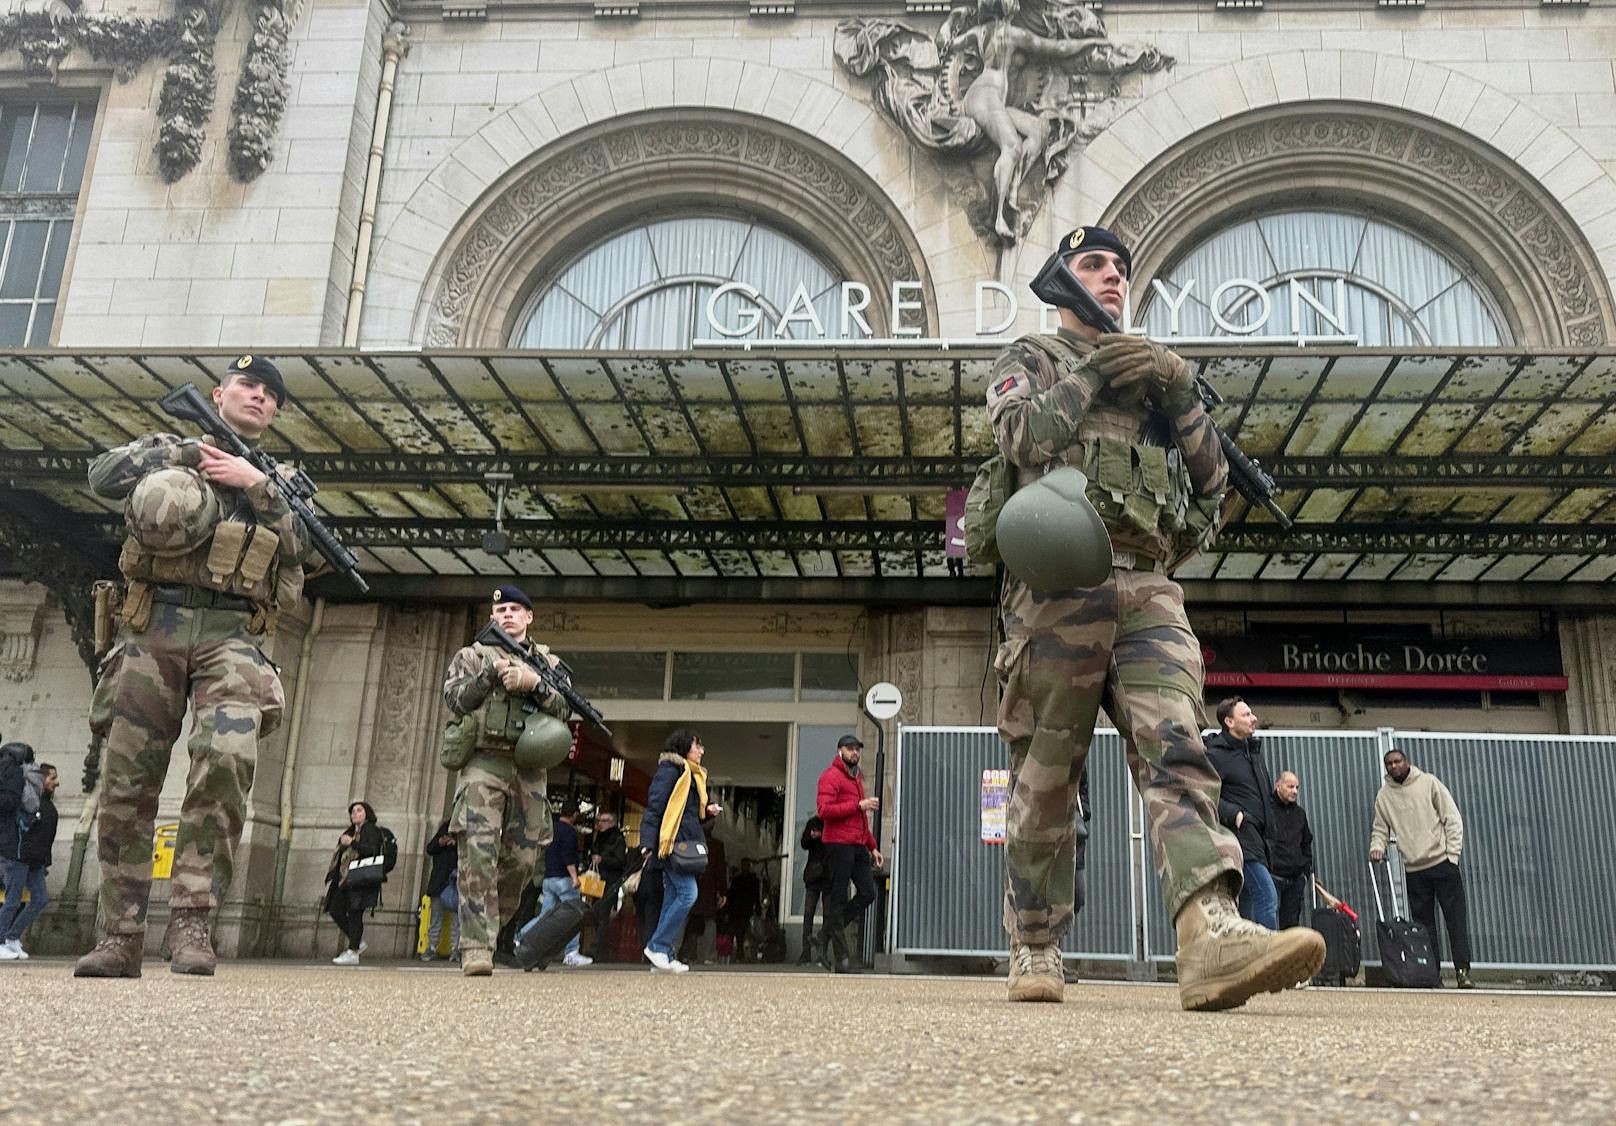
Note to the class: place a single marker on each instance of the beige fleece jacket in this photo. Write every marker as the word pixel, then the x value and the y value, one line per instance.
pixel 1422 815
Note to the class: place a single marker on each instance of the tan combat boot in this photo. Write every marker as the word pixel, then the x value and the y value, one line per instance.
pixel 1035 972
pixel 475 962
pixel 116 955
pixel 1224 960
pixel 189 943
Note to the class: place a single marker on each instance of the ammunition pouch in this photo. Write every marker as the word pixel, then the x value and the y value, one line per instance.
pixel 459 741
pixel 994 483
pixel 137 604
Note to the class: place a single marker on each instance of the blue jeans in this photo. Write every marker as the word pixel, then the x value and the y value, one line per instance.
pixel 678 897
pixel 1259 900
pixel 15 915
pixel 554 890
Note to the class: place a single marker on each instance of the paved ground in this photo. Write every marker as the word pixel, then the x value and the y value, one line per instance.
pixel 280 1042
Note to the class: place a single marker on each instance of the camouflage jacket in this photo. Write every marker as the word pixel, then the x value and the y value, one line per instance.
pixel 471 681
pixel 1042 415
pixel 115 474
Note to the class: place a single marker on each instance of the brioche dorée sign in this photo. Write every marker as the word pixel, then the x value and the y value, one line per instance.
pixel 1502 665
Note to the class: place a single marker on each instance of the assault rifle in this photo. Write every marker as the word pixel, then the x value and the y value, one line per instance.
pixel 1057 285
pixel 186 402
pixel 549 678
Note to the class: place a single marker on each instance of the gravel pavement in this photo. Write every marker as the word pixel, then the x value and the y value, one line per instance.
pixel 399 1042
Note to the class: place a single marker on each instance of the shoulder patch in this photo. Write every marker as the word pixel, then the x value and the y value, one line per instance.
pixel 1004 384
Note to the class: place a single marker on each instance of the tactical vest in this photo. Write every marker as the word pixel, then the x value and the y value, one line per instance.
pixel 238 558
pixel 1141 489
pixel 500 716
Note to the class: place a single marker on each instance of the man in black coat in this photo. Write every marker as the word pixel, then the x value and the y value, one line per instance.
pixel 1290 848
pixel 609 857
pixel 1245 805
pixel 444 852
pixel 27 868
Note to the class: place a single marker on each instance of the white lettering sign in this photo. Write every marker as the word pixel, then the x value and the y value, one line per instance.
pixel 746 319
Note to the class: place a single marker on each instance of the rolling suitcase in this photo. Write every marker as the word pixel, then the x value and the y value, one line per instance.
pixel 542 940
pixel 1342 941
pixel 1406 952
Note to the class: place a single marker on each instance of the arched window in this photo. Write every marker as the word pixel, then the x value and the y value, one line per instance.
pixel 649 287
pixel 1398 288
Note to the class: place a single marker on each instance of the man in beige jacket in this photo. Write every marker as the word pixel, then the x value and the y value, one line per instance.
pixel 1416 808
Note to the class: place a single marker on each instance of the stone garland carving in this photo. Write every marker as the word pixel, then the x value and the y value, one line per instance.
pixel 1426 155
pixel 1018 84
pixel 261 94
pixel 186 98
pixel 186 42
pixel 536 193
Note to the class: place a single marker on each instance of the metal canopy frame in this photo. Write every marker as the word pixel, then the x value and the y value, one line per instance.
pixel 832 464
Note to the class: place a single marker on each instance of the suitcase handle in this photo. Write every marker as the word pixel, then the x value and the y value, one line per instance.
pixel 1391 889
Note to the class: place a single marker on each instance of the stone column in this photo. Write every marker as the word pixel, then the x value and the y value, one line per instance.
pixel 1588 647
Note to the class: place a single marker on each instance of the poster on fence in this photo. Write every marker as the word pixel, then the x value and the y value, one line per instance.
pixel 995 796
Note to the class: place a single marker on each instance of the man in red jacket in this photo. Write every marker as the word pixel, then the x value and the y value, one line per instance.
pixel 850 850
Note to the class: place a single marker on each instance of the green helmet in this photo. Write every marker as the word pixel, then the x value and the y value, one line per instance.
pixel 172 511
pixel 1051 537
pixel 544 741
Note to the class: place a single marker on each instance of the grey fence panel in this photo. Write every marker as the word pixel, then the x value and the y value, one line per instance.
pixel 1339 773
pixel 948 886
pixel 1540 843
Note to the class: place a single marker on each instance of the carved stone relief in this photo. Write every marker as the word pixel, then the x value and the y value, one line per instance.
pixel 1332 145
pixel 1013 91
pixel 538 197
pixel 22 619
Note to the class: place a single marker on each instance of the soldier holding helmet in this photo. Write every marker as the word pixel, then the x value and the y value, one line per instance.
pixel 212 555
pixel 509 731
pixel 1122 411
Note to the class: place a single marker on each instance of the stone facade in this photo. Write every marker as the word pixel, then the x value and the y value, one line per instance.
pixel 505 134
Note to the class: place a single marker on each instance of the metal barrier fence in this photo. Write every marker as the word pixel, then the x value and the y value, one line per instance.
pixel 1540 842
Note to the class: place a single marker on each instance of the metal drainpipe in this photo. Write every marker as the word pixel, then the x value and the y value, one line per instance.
pixel 394 46
pixel 294 737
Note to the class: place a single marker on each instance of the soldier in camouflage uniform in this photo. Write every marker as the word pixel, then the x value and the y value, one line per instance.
pixel 1124 411
pixel 213 553
pixel 501 816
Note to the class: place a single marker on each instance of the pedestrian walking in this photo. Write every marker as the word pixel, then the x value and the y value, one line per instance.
pixel 1235 752
pixel 851 851
pixel 347 899
pixel 1290 848
pixel 673 841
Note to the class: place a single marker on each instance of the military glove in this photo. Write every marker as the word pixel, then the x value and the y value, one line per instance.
pixel 1132 363
pixel 518 678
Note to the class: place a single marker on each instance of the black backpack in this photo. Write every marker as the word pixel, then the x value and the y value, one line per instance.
pixel 389 849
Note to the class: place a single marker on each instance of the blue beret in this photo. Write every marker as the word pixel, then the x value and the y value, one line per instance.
pixel 256 367
pixel 510 593
pixel 1096 238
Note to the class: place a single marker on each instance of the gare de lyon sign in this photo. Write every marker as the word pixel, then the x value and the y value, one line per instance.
pixel 799 323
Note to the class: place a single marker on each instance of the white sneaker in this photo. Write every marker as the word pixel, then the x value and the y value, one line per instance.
pixel 678 967
pixel 576 959
pixel 363 946
pixel 11 950
pixel 660 962
pixel 427 957
pixel 347 958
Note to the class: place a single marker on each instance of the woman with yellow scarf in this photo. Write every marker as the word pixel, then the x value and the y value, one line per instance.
pixel 673 842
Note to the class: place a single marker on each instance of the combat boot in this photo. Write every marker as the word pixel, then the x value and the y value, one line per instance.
pixel 189 942
pixel 1035 972
pixel 1224 960
pixel 477 962
pixel 116 955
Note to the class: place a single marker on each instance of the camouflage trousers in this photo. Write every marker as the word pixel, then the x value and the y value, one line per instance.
pixel 501 819
pixel 1052 671
pixel 204 659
